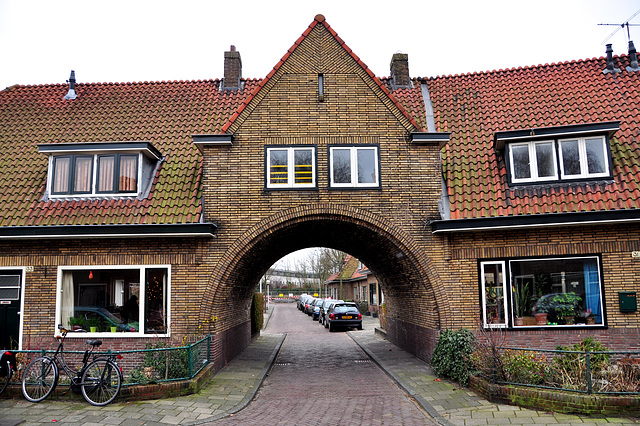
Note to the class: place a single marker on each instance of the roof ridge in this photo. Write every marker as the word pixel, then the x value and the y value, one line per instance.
pixel 519 68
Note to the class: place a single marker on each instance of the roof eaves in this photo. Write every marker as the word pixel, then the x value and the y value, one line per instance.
pixel 203 230
pixel 608 217
pixel 201 141
pixel 500 138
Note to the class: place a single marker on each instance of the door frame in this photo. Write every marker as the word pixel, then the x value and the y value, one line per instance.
pixel 22 270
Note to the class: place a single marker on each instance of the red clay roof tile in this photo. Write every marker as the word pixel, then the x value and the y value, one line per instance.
pixel 475 106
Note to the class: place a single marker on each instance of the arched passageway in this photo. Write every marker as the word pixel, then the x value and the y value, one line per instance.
pixel 414 304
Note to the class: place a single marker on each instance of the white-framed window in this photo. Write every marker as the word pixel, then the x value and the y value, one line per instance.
pixel 354 166
pixel 494 291
pixel 533 161
pixel 291 167
pixel 545 292
pixel 114 299
pixel 562 159
pixel 584 157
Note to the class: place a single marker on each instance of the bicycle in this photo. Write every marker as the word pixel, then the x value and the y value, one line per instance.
pixel 7 367
pixel 99 380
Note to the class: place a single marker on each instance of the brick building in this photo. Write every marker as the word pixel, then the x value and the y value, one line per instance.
pixel 473 198
pixel 354 281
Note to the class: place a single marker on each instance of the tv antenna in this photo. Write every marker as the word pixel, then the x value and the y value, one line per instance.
pixel 624 24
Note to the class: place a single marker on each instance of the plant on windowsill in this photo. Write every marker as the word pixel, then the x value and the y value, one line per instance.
pixel 522 302
pixel 589 317
pixel 77 323
pixel 566 306
pixel 493 301
pixel 92 324
pixel 563 305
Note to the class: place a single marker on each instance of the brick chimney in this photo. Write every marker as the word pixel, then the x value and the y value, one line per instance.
pixel 400 71
pixel 232 70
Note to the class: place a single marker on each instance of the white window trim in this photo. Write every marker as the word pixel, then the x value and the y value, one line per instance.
pixel 582 149
pixel 291 183
pixel 94 178
pixel 354 167
pixel 533 165
pixel 484 295
pixel 559 174
pixel 597 258
pixel 143 289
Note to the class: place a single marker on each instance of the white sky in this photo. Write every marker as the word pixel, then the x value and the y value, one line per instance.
pixel 41 41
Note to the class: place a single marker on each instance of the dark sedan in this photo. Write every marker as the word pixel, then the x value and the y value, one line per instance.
pixel 343 314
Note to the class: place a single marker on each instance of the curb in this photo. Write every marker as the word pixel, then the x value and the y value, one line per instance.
pixel 408 390
pixel 254 389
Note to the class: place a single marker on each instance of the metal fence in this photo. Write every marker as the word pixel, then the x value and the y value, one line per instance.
pixel 155 364
pixel 590 372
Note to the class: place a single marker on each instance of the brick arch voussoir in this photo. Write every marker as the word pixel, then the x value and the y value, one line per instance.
pixel 226 265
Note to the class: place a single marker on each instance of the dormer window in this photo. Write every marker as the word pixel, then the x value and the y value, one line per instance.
pixel 100 169
pixel 557 153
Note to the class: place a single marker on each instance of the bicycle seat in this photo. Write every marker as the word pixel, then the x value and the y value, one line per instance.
pixel 94 343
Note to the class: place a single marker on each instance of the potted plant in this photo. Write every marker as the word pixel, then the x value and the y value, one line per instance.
pixel 77 323
pixel 589 317
pixel 93 324
pixel 563 305
pixel 522 300
pixel 566 306
pixel 493 305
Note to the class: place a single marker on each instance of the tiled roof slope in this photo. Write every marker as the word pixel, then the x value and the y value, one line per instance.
pixel 163 113
pixel 474 106
pixel 349 271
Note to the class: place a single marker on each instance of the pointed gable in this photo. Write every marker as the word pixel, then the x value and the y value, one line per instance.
pixel 321 52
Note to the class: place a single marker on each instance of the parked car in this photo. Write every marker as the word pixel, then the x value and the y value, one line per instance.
pixel 308 306
pixel 317 305
pixel 102 319
pixel 301 301
pixel 325 307
pixel 343 314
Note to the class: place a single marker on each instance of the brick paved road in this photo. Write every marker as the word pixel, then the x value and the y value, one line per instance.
pixel 301 386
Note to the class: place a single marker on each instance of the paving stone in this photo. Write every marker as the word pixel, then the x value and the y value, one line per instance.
pixel 376 401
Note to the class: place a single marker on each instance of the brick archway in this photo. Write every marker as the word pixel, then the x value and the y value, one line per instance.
pixel 417 306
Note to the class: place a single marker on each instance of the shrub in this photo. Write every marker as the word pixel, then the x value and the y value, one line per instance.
pixel 257 313
pixel 524 367
pixel 569 370
pixel 451 357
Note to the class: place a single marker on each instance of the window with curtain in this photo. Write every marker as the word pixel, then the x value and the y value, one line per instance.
pixel 117 173
pixel 544 292
pixel 95 174
pixel 115 299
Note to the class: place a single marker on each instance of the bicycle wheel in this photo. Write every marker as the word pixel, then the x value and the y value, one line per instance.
pixel 39 379
pixel 7 378
pixel 101 382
